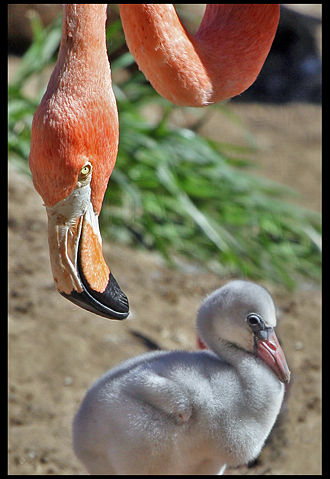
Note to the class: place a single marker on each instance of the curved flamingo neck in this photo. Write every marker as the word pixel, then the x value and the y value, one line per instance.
pixel 221 60
pixel 234 41
pixel 256 377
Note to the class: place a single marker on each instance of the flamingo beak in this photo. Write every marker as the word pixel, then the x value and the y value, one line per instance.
pixel 269 350
pixel 79 269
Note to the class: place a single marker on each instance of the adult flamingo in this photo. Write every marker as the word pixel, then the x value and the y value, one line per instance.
pixel 74 139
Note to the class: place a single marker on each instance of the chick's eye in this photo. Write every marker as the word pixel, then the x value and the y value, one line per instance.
pixel 254 320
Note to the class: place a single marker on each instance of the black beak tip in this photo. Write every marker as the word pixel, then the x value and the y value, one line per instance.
pixel 111 303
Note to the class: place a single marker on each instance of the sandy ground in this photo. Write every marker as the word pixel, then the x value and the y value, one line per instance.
pixel 57 350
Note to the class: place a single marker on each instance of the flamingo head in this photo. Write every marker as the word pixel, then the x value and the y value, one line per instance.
pixel 71 176
pixel 74 143
pixel 242 315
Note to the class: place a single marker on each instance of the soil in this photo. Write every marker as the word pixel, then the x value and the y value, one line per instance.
pixel 56 350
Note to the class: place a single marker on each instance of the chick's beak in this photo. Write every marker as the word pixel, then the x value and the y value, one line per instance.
pixel 269 350
pixel 79 269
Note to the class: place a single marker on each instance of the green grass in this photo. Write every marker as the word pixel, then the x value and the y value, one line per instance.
pixel 178 193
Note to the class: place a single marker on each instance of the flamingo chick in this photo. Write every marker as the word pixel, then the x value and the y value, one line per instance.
pixel 180 412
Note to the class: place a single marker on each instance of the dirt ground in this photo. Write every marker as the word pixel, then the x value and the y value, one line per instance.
pixel 56 350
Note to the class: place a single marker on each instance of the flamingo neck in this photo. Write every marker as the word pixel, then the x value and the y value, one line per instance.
pixel 83 26
pixel 261 390
pixel 235 356
pixel 252 372
pixel 83 55
pixel 230 353
pixel 234 42
pixel 220 61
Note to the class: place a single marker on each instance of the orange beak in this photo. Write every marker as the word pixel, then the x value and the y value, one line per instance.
pixel 79 269
pixel 269 350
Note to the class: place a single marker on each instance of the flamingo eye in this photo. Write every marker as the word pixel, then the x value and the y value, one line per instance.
pixel 85 172
pixel 255 321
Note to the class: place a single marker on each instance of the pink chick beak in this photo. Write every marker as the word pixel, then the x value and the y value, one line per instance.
pixel 270 351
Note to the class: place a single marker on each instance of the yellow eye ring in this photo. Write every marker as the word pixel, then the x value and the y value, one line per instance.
pixel 85 172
